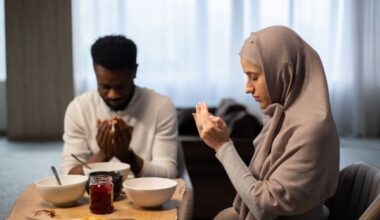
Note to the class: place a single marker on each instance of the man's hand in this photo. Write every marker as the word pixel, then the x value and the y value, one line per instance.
pixel 122 139
pixel 105 138
pixel 114 137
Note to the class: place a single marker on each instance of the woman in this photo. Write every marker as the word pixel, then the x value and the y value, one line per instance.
pixel 295 167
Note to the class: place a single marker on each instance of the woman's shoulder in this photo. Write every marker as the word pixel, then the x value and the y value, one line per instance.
pixel 310 131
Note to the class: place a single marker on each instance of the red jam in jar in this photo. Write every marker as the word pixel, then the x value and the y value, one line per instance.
pixel 101 194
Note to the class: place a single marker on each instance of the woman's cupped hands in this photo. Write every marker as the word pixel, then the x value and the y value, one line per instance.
pixel 212 129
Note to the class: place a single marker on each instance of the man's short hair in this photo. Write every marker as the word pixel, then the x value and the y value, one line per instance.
pixel 114 52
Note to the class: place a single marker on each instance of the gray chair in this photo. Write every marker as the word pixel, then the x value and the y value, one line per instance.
pixel 358 194
pixel 373 211
pixel 186 209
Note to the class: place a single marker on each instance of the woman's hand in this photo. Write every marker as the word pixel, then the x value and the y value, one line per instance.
pixel 212 130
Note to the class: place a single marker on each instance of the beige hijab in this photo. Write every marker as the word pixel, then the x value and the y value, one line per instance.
pixel 296 160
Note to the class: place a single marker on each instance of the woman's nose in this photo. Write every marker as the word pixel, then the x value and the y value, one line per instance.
pixel 249 88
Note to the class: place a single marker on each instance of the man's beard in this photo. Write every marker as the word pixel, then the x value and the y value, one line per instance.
pixel 122 105
pixel 117 107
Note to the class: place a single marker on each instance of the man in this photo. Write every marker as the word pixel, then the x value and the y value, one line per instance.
pixel 120 121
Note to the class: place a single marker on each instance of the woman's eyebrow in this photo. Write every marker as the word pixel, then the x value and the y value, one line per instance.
pixel 253 72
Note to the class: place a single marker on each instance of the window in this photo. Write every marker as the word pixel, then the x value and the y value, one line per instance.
pixel 188 49
pixel 184 47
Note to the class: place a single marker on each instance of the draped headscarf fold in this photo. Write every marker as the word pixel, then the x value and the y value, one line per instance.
pixel 296 160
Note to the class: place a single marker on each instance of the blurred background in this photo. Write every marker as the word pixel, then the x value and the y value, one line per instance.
pixel 187 50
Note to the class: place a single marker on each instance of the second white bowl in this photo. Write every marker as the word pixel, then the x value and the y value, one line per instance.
pixel 108 166
pixel 149 192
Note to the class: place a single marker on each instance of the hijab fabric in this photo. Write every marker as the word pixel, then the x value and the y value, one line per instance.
pixel 296 160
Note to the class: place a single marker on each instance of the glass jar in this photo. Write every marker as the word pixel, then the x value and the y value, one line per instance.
pixel 101 194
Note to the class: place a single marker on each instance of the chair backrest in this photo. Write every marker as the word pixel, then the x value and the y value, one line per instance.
pixel 186 209
pixel 359 185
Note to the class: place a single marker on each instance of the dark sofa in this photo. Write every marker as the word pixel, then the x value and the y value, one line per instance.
pixel 213 190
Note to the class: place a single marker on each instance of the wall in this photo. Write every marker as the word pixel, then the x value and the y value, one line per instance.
pixel 39 67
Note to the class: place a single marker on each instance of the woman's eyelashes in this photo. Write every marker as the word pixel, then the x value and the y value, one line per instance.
pixel 253 76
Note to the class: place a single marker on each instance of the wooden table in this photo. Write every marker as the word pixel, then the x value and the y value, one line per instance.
pixel 30 202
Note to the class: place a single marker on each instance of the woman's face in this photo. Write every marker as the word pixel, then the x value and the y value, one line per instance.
pixel 255 84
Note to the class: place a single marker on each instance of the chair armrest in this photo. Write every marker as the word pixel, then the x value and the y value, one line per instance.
pixel 373 211
pixel 185 210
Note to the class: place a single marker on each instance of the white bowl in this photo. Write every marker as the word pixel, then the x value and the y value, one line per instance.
pixel 149 192
pixel 108 166
pixel 72 189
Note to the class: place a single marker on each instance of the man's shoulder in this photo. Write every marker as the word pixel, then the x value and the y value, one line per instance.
pixel 154 101
pixel 153 95
pixel 87 95
pixel 85 99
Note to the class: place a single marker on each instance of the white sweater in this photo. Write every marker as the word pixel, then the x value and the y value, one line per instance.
pixel 154 137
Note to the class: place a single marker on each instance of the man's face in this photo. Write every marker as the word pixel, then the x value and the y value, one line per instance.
pixel 115 86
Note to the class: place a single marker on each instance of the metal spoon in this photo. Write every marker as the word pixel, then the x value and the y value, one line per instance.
pixel 83 163
pixel 56 175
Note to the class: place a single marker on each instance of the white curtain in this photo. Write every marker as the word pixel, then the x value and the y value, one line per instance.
pixel 354 71
pixel 189 49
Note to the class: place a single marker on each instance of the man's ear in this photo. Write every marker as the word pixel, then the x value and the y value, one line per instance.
pixel 134 72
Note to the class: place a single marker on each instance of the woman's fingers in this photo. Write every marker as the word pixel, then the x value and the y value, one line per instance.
pixel 218 121
pixel 201 115
pixel 197 119
pixel 204 113
pixel 214 136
